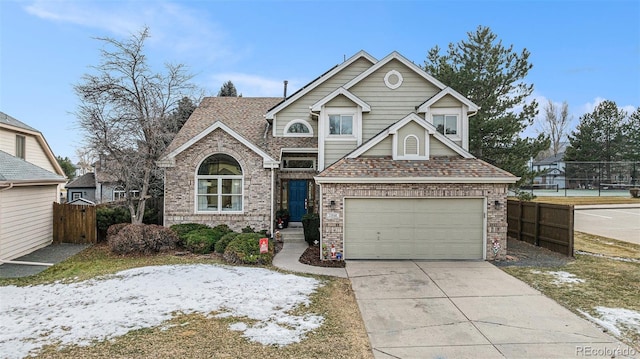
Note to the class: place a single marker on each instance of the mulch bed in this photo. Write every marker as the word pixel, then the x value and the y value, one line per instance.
pixel 311 256
pixel 523 254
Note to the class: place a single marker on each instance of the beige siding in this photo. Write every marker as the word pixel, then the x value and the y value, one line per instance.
pixel 411 128
pixel 335 150
pixel 300 109
pixel 8 141
pixel 340 101
pixel 389 106
pixel 439 149
pixel 35 154
pixel 26 219
pixel 447 101
pixel 383 148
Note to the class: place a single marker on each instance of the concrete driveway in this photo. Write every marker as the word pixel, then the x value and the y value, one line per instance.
pixel 460 309
pixel 620 222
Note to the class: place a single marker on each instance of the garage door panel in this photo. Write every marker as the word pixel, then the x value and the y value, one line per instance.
pixel 390 228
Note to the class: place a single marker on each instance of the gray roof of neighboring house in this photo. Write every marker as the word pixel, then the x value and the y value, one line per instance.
pixel 87 180
pixel 244 115
pixel 8 120
pixel 13 169
pixel 550 160
pixel 386 167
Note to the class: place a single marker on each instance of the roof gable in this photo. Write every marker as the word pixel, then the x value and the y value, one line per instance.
pixel 393 129
pixel 317 82
pixel 395 56
pixel 344 92
pixel 168 160
pixel 451 92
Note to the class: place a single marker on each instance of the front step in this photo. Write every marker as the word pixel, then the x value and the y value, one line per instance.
pixel 292 234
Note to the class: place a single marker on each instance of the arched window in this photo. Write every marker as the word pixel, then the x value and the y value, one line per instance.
pixel 220 184
pixel 411 146
pixel 298 128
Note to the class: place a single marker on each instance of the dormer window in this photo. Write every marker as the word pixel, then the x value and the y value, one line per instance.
pixel 446 124
pixel 341 125
pixel 298 128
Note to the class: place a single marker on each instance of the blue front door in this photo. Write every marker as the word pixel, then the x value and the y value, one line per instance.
pixel 297 197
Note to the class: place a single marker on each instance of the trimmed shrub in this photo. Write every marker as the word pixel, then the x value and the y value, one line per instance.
pixel 311 227
pixel 185 228
pixel 223 228
pixel 248 229
pixel 202 241
pixel 106 216
pixel 245 249
pixel 115 229
pixel 222 244
pixel 142 239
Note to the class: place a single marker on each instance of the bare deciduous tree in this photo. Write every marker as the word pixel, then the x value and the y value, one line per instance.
pixel 555 124
pixel 125 112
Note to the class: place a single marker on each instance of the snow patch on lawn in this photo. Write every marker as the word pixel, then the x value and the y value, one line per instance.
pixel 110 306
pixel 561 277
pixel 615 319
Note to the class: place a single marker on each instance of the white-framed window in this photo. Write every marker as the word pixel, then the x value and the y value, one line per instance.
pixel 219 185
pixel 341 125
pixel 411 146
pixel 290 163
pixel 448 121
pixel 76 195
pixel 298 128
pixel 120 194
pixel 20 146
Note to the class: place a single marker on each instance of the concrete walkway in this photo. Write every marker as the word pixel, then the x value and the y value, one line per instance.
pixel 466 309
pixel 51 254
pixel 294 246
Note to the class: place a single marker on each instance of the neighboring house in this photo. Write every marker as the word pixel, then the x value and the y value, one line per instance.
pixel 107 187
pixel 30 181
pixel 82 187
pixel 379 148
pixel 551 170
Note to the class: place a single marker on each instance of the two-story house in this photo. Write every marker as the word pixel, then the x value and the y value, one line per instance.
pixel 30 181
pixel 379 148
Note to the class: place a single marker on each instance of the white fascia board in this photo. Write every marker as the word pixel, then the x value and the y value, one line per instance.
pixel 269 115
pixel 341 91
pixel 411 117
pixel 395 55
pixel 43 144
pixel 268 161
pixel 367 146
pixel 448 91
pixel 376 180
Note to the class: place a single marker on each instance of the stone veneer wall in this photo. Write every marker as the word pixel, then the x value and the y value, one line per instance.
pixel 180 185
pixel 332 229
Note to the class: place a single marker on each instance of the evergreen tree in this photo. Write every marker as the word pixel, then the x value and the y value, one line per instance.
pixel 68 167
pixel 228 90
pixel 180 115
pixel 492 76
pixel 631 133
pixel 599 135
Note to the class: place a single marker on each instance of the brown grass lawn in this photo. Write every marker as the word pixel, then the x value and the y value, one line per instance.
pixel 194 336
pixel 608 282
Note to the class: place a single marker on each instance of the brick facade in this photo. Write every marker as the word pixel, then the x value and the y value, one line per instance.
pixel 180 185
pixel 332 228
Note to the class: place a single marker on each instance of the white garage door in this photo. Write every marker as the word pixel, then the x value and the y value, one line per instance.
pixel 414 228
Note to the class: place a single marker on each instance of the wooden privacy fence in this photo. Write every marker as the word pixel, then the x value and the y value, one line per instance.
pixel 542 224
pixel 74 223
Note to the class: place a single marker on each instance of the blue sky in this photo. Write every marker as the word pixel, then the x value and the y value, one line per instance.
pixel 582 51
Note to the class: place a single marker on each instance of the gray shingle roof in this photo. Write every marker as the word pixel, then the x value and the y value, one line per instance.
pixel 8 120
pixel 87 180
pixel 244 115
pixel 13 169
pixel 386 167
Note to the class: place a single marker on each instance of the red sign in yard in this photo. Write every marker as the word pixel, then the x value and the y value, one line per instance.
pixel 264 245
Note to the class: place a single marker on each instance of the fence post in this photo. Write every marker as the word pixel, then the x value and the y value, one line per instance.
pixel 570 229
pixel 536 235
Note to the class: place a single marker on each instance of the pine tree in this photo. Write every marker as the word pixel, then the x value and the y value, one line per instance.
pixel 228 90
pixel 492 76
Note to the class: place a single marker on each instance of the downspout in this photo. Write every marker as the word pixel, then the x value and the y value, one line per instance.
pixel 272 201
pixel 7 188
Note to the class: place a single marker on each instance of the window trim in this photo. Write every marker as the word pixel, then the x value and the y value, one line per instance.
pixel 286 132
pixel 404 146
pixel 294 169
pixel 354 112
pixel 219 179
pixel 21 147
pixel 448 112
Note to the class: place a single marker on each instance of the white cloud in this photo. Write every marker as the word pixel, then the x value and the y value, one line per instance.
pixel 172 27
